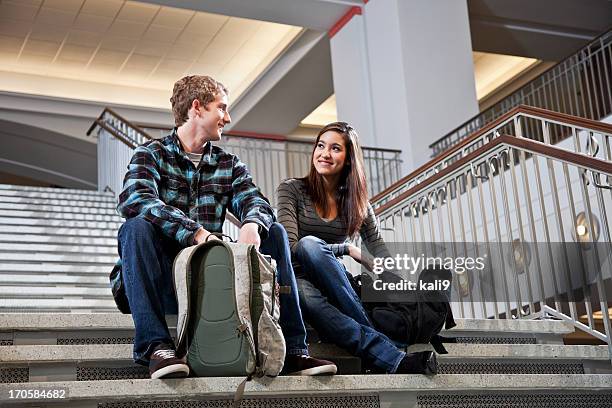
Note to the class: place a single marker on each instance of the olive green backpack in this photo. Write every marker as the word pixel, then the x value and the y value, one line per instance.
pixel 228 310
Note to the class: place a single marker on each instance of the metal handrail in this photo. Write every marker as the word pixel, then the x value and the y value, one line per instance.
pixel 524 121
pixel 513 189
pixel 579 85
pixel 271 158
pixel 100 121
pixel 530 146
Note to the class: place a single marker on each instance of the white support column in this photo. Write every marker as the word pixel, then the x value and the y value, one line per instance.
pixel 403 73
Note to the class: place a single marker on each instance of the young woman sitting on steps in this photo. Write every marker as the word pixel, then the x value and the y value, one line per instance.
pixel 321 212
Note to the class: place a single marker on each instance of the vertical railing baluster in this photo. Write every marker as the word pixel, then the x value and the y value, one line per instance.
pixel 559 219
pixel 562 89
pixel 586 293
pixel 471 181
pixel 453 241
pixel 601 289
pixel 607 70
pixel 585 80
pixel 493 197
pixel 517 203
pixel 531 218
pixel 485 224
pixel 506 206
pixel 598 89
pixel 592 85
pixel 463 179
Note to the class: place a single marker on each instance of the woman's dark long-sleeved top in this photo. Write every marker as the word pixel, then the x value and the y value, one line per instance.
pixel 298 215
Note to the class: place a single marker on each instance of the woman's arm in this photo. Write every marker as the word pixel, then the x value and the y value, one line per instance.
pixel 287 198
pixel 371 236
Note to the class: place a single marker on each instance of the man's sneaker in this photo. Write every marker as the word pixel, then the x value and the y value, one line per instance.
pixel 424 362
pixel 164 363
pixel 306 365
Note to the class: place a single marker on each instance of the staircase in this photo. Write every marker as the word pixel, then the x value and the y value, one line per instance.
pixel 56 249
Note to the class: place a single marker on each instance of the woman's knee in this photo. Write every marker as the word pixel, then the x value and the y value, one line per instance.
pixel 310 247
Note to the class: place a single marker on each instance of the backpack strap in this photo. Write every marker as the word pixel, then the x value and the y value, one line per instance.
pixel 450 320
pixel 239 394
pixel 438 341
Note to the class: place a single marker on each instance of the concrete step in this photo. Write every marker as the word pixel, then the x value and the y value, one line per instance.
pixel 117 356
pixel 39 291
pixel 73 202
pixel 56 195
pixel 474 326
pixel 54 278
pixel 462 358
pixel 62 248
pixel 61 258
pixel 55 223
pixel 82 322
pixel 353 391
pixel 505 331
pixel 42 209
pixel 59 305
pixel 25 354
pixel 61 216
pixel 59 239
pixel 55 268
pixel 77 328
pixel 13 187
pixel 64 231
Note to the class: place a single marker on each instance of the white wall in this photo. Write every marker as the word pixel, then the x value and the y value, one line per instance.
pixel 403 74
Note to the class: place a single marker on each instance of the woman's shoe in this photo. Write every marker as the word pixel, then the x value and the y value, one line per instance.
pixel 423 362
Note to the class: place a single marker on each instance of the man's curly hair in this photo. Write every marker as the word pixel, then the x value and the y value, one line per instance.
pixel 200 87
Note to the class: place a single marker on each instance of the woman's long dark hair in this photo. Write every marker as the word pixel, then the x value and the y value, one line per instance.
pixel 352 194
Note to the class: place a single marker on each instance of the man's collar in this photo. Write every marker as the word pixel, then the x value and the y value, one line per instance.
pixel 208 157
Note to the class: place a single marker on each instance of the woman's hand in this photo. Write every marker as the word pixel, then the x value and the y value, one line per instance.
pixel 355 253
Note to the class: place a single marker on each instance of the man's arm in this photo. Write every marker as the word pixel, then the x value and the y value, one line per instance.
pixel 248 204
pixel 140 198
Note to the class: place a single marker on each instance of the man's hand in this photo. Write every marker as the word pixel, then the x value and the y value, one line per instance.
pixel 249 234
pixel 201 236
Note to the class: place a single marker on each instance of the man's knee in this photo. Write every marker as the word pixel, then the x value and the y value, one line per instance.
pixel 277 232
pixel 136 228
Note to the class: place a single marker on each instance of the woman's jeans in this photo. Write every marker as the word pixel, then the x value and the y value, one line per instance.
pixel 333 308
pixel 147 257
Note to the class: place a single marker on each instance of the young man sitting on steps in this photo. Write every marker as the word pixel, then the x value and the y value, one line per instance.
pixel 176 193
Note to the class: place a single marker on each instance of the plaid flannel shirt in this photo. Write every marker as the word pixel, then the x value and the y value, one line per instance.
pixel 165 188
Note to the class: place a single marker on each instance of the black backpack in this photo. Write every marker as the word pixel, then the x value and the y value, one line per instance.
pixel 421 315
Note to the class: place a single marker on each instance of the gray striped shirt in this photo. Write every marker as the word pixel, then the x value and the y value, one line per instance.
pixel 298 215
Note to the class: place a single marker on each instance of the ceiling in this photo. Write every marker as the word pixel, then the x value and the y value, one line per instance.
pixel 129 45
pixel 491 71
pixel 125 52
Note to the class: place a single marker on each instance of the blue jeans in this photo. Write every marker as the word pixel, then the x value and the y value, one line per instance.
pixel 335 311
pixel 147 257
